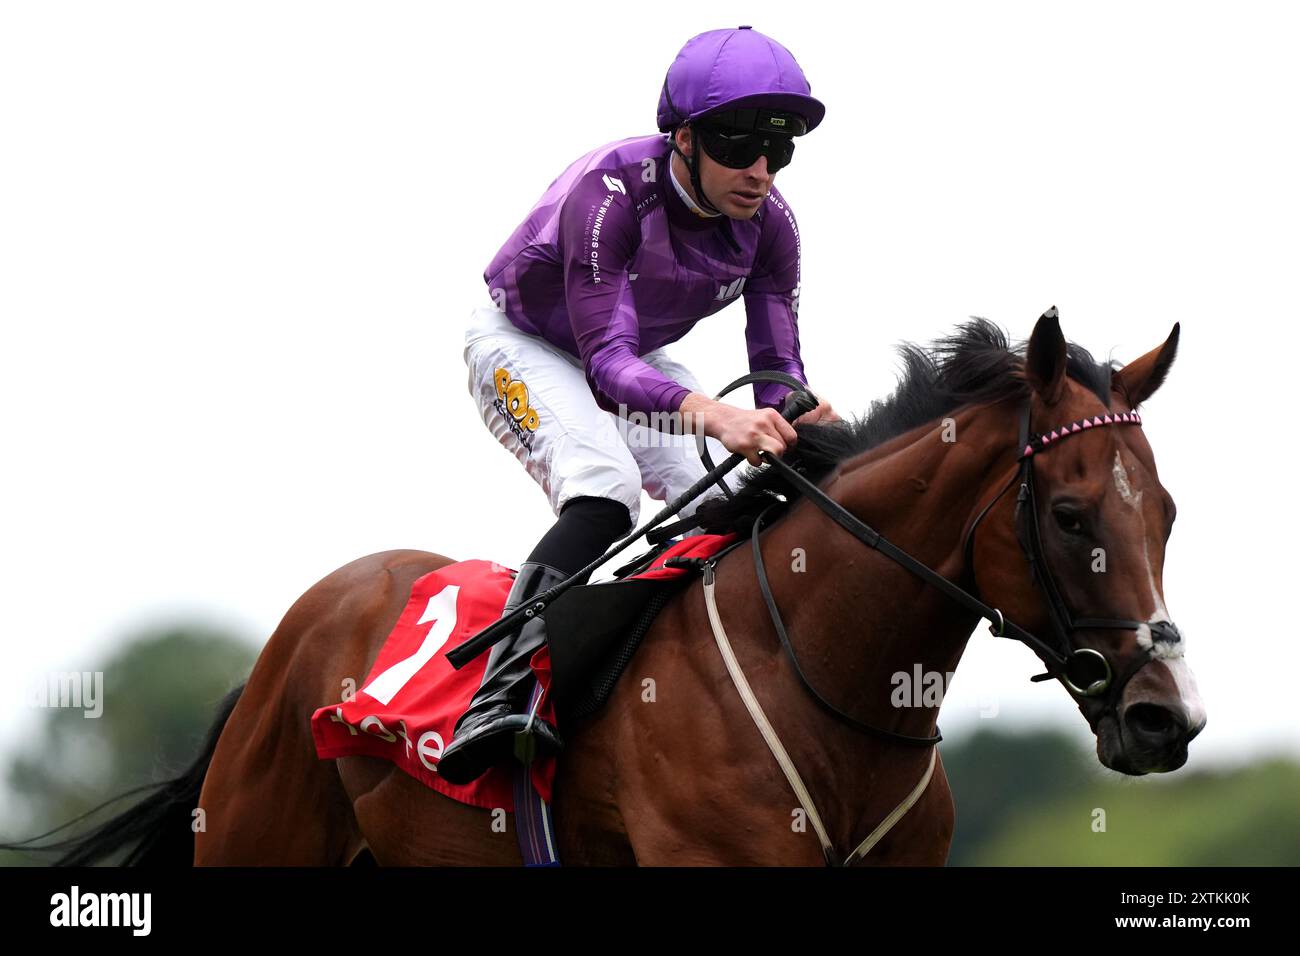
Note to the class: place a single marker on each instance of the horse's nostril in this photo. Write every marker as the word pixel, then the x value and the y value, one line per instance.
pixel 1152 720
pixel 1164 632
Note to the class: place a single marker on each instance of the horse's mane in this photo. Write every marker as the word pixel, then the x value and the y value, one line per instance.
pixel 973 366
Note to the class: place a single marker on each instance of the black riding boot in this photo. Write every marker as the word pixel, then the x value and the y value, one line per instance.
pixel 485 734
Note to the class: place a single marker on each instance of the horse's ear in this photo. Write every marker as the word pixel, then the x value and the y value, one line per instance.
pixel 1137 380
pixel 1045 358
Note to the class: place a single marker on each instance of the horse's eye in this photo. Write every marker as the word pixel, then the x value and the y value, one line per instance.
pixel 1068 520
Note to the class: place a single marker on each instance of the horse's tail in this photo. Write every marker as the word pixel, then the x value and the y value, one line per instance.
pixel 159 826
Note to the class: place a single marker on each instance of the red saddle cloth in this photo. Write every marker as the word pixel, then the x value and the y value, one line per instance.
pixel 408 705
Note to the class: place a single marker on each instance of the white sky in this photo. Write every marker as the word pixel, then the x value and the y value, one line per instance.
pixel 239 243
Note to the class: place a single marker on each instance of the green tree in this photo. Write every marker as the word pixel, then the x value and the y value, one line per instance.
pixel 1041 799
pixel 159 693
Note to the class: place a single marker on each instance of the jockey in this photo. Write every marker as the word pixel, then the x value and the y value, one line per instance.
pixel 632 245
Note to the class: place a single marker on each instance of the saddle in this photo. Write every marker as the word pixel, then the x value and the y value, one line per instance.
pixel 594 630
pixel 408 703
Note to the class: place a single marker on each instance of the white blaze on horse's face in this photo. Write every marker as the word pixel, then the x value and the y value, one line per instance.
pixel 1168 653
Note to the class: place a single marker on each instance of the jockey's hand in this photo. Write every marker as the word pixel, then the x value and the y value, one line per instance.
pixel 749 431
pixel 822 413
pixel 741 430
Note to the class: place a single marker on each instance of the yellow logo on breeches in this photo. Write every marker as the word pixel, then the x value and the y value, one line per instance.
pixel 512 402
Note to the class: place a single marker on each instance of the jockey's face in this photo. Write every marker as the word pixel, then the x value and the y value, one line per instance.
pixel 737 193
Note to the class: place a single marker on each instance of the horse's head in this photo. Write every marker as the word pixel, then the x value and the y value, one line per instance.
pixel 1086 520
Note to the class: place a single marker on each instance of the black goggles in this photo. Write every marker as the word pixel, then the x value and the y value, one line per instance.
pixel 736 138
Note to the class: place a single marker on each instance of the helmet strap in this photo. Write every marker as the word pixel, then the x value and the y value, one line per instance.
pixel 692 164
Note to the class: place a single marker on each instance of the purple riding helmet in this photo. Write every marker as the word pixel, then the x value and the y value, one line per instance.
pixel 743 95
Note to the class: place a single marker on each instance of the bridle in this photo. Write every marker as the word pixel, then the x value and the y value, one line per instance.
pixel 1085 672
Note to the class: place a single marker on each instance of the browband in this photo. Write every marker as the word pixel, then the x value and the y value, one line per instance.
pixel 1039 442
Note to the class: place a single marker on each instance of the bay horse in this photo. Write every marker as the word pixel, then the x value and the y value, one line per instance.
pixel 681 776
